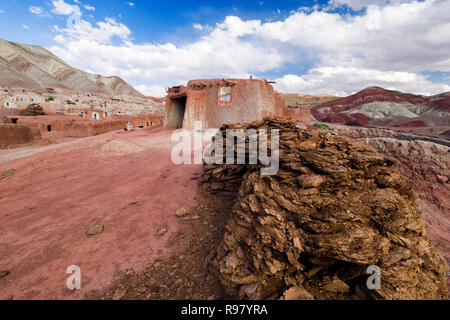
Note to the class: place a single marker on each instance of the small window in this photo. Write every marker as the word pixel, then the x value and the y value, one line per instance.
pixel 49 128
pixel 7 104
pixel 225 94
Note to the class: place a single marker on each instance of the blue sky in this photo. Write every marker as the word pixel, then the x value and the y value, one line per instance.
pixel 331 46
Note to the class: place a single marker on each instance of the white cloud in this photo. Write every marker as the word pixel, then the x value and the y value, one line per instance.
pixel 356 4
pixel 217 54
pixel 60 39
pixel 403 37
pixel 35 10
pixel 386 46
pixel 101 33
pixel 38 11
pixel 1 11
pixel 25 26
pixel 131 4
pixel 62 8
pixel 153 90
pixel 89 7
pixel 197 26
pixel 342 80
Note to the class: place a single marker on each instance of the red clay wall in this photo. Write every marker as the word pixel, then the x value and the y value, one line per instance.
pixel 300 114
pixel 74 126
pixel 80 129
pixel 14 134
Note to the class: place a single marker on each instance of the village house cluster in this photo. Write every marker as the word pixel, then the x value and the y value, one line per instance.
pixel 72 115
pixel 86 105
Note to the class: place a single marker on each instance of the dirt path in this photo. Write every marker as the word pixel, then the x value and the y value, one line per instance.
pixel 7 155
pixel 60 191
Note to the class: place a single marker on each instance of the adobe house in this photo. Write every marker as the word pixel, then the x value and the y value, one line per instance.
pixel 88 114
pixel 218 101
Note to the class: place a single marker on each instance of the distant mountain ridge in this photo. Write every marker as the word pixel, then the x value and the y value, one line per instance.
pixel 375 104
pixel 35 68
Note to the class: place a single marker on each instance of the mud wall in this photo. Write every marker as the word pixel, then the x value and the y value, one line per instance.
pixel 80 129
pixel 13 134
pixel 299 114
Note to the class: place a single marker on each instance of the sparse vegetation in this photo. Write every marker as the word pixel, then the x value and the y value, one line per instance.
pixel 50 98
pixel 321 126
pixel 7 173
pixel 4 119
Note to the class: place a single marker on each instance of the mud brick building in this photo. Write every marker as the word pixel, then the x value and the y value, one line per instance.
pixel 218 101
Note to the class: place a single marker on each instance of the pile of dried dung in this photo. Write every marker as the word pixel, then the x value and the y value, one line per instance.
pixel 32 110
pixel 335 208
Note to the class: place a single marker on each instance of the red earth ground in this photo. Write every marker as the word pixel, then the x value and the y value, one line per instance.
pixel 58 192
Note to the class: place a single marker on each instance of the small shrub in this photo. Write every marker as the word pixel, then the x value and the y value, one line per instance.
pixel 50 98
pixel 321 126
pixel 6 173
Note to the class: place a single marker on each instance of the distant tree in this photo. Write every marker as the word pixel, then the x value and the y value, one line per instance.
pixel 50 98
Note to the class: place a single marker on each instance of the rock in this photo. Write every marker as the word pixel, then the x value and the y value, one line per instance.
pixel 318 232
pixel 129 272
pixel 119 293
pixel 4 273
pixel 336 285
pixel 97 229
pixel 297 293
pixel 183 212
pixel 442 179
pixel 161 231
pixel 310 180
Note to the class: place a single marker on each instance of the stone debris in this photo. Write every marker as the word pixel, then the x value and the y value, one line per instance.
pixel 97 229
pixel 161 231
pixel 183 212
pixel 4 273
pixel 119 293
pixel 334 208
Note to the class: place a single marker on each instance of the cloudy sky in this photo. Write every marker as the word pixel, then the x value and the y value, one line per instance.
pixel 331 46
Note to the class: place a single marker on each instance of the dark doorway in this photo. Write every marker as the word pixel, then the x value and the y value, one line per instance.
pixel 14 120
pixel 176 113
pixel 49 128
